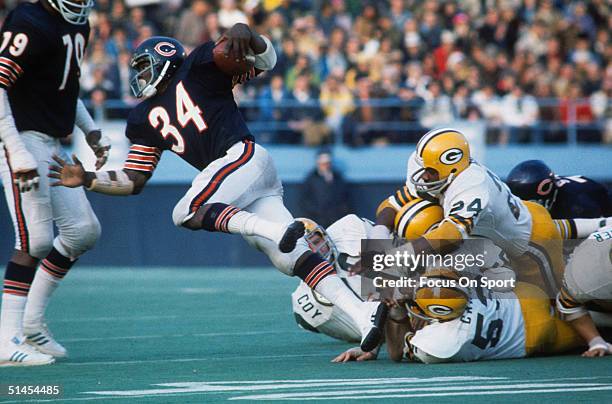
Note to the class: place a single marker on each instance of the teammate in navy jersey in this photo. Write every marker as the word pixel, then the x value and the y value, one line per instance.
pixel 189 109
pixel 565 197
pixel 41 48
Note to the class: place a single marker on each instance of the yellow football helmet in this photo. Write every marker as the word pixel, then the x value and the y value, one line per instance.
pixel 440 298
pixel 417 218
pixel 319 241
pixel 444 152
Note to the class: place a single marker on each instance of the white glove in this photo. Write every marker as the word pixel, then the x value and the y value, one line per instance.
pixel 100 145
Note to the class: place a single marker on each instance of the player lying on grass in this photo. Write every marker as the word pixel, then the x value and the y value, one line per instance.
pixel 342 243
pixel 456 324
pixel 587 282
pixel 542 332
pixel 188 108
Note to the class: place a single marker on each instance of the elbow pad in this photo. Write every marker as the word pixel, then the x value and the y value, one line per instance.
pixel 266 60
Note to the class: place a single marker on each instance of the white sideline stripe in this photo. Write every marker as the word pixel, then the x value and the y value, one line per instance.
pixel 454 394
pixel 258 357
pixel 459 390
pixel 276 385
pixel 173 316
pixel 204 335
pixel 343 382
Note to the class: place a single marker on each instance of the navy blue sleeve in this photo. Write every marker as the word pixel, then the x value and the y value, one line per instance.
pixel 22 45
pixel 202 55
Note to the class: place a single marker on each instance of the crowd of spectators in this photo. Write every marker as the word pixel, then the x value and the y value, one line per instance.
pixel 382 72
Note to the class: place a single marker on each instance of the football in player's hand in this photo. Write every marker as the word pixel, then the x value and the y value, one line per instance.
pixel 228 64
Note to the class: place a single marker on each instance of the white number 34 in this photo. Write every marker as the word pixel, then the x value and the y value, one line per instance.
pixel 186 111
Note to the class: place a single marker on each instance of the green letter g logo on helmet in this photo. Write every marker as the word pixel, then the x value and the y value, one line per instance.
pixel 451 156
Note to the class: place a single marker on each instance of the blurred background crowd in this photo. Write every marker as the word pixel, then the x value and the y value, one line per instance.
pixel 382 72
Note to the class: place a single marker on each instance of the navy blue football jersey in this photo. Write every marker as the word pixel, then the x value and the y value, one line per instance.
pixel 40 58
pixel 195 116
pixel 580 197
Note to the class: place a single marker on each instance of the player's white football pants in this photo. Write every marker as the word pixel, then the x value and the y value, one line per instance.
pixel 246 178
pixel 323 316
pixel 35 211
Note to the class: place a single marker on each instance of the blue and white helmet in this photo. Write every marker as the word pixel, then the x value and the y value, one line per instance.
pixel 153 64
pixel 73 11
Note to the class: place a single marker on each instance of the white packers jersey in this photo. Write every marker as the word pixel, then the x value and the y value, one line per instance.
pixel 317 312
pixel 588 274
pixel 490 328
pixel 479 203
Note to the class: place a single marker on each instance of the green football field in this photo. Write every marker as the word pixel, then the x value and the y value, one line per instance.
pixel 190 335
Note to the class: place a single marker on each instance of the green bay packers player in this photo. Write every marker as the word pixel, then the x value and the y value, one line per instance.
pixel 340 245
pixel 456 324
pixel 476 202
pixel 588 281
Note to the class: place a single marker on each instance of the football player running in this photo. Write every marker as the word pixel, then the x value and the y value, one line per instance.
pixel 41 50
pixel 188 108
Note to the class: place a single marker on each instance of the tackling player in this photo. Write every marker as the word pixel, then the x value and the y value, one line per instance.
pixel 476 202
pixel 341 245
pixel 188 108
pixel 564 197
pixel 41 49
pixel 457 324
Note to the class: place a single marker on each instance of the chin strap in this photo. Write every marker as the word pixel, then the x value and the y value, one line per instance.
pixel 151 89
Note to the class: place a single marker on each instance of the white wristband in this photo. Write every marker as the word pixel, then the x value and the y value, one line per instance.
pixel 598 343
pixel 112 183
pixel 266 60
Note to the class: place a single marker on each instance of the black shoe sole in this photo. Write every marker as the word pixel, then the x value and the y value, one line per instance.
pixel 374 337
pixel 294 232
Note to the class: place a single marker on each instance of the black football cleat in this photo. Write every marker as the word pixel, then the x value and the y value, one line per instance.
pixel 374 335
pixel 294 232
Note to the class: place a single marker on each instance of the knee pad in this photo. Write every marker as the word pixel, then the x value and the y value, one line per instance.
pixel 39 246
pixel 80 238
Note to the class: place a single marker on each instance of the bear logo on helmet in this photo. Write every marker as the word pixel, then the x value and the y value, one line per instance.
pixel 165 49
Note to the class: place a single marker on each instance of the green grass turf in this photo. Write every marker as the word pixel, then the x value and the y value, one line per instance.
pixel 231 334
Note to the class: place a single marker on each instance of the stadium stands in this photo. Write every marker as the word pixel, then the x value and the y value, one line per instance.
pixel 382 72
